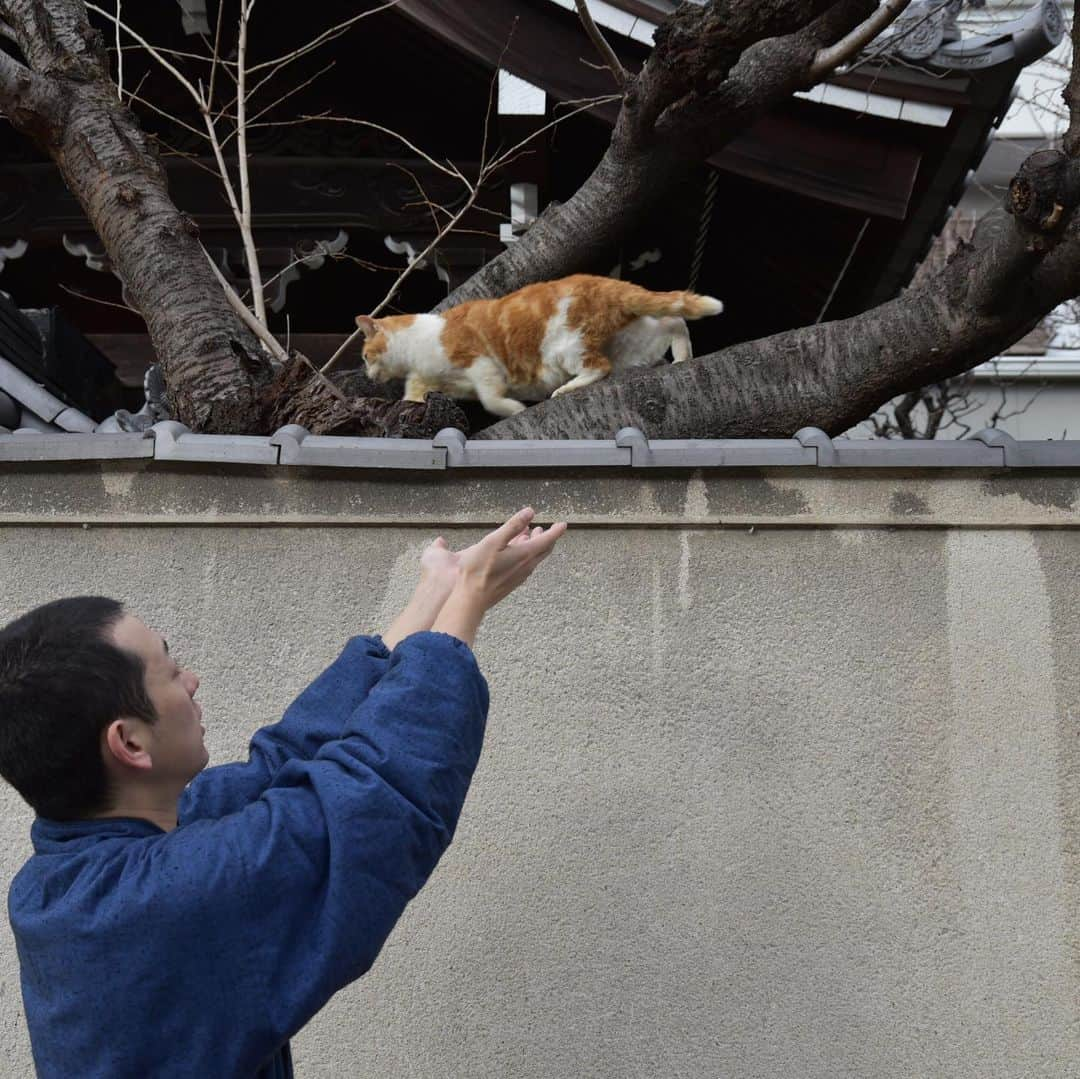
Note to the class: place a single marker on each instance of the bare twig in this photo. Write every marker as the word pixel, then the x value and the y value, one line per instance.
pixel 508 156
pixel 136 97
pixel 253 121
pixel 119 57
pixel 152 50
pixel 327 35
pixel 622 76
pixel 827 60
pixel 487 168
pixel 889 45
pixel 272 344
pixel 216 55
pixel 449 169
pixel 257 294
pixel 97 299
pixel 180 54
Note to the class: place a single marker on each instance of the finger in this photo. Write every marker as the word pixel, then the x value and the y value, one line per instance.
pixel 440 542
pixel 518 523
pixel 546 540
pixel 526 535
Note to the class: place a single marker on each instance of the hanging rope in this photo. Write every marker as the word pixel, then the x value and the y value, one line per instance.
pixel 711 187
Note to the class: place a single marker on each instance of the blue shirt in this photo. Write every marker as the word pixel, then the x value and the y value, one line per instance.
pixel 201 951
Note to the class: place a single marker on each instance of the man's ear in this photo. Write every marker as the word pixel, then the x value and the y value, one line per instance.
pixel 125 742
pixel 367 324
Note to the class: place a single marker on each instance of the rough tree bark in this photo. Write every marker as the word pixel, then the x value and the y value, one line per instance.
pixel 218 377
pixel 713 71
pixel 1023 261
pixel 65 100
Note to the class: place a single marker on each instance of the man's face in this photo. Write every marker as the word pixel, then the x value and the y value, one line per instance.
pixel 175 741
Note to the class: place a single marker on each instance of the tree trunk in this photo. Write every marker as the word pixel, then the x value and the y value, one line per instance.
pixel 567 238
pixel 833 375
pixel 713 72
pixel 213 367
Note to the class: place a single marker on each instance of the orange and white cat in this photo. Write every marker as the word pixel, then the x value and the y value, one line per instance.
pixel 545 339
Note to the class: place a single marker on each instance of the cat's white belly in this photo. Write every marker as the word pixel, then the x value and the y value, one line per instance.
pixel 549 378
pixel 645 341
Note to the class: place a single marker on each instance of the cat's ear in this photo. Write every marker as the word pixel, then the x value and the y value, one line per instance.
pixel 367 324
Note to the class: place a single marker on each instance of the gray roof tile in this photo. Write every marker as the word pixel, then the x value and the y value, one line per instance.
pixel 175 442
pixel 29 445
pixel 553 453
pixel 300 448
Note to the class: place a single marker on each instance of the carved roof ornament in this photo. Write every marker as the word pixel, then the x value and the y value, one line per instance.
pixel 193 14
pixel 281 263
pixel 927 34
pixel 12 251
pixel 310 255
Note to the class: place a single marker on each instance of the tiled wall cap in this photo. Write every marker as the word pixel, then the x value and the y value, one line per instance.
pixel 634 439
pixel 453 441
pixel 297 446
pixel 175 442
pixel 9 410
pixel 29 393
pixel 291 433
pixel 528 453
pixel 816 438
pixel 991 436
pixel 169 431
pixel 32 445
pixel 71 419
pixel 1047 453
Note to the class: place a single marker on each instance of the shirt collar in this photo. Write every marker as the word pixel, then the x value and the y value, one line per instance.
pixel 53 836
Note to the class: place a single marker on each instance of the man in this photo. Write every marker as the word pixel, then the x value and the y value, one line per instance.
pixel 172 923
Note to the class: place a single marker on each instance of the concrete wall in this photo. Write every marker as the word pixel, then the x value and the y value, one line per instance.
pixel 781 777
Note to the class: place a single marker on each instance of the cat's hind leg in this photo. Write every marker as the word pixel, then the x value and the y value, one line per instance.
pixel 595 366
pixel 491 387
pixel 681 350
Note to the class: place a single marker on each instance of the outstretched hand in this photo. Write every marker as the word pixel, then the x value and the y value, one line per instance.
pixel 476 577
pixel 491 569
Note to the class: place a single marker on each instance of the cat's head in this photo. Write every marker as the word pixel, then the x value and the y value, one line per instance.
pixel 377 349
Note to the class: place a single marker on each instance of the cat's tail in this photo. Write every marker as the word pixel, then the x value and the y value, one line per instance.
pixel 662 304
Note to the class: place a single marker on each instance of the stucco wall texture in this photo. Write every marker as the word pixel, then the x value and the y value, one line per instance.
pixel 781 777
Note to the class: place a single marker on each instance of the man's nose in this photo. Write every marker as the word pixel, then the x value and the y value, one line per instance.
pixel 193 680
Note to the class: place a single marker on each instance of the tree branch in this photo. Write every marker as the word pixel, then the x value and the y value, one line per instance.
pixel 713 71
pixel 28 100
pixel 1023 261
pixel 273 346
pixel 1071 96
pixel 828 60
pixel 245 222
pixel 622 76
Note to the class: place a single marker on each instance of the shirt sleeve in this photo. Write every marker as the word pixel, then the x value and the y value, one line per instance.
pixel 311 877
pixel 316 717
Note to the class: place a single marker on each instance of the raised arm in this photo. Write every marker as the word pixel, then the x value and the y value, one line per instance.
pixel 317 716
pixel 291 899
pixel 319 713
